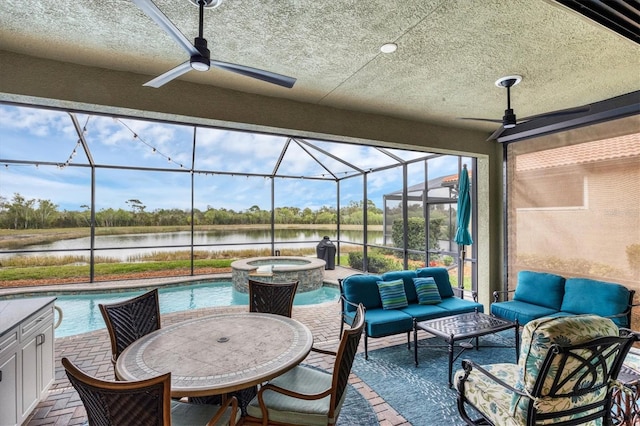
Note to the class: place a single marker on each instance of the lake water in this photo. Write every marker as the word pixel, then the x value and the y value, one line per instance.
pixel 122 246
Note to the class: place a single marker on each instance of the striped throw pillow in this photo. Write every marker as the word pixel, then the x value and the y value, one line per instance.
pixel 427 290
pixel 392 294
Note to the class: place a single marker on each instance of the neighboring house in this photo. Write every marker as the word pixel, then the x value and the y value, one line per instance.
pixel 579 207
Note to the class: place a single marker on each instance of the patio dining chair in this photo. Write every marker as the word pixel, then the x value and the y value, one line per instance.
pixel 143 403
pixel 131 319
pixel 272 298
pixel 305 395
pixel 566 375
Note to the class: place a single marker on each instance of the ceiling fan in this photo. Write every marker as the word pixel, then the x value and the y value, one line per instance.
pixel 509 120
pixel 200 59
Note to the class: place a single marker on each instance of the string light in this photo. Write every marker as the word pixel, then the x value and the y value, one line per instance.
pixel 73 154
pixel 154 150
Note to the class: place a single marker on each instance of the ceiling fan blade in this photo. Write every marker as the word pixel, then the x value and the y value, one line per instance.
pixel 152 11
pixel 268 76
pixel 176 72
pixel 490 120
pixel 496 134
pixel 558 113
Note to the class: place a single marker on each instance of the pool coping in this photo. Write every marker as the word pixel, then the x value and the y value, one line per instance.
pixel 118 286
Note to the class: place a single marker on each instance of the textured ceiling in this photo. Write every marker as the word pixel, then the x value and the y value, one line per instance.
pixel 450 52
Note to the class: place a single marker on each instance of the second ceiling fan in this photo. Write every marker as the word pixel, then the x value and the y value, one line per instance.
pixel 509 119
pixel 200 58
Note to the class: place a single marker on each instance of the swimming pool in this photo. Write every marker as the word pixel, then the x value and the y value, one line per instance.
pixel 81 313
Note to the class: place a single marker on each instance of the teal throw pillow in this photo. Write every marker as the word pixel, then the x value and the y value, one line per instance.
pixel 392 294
pixel 427 290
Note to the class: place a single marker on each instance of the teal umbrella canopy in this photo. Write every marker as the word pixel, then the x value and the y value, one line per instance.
pixel 463 216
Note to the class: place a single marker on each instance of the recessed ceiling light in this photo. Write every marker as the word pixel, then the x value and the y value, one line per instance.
pixel 389 48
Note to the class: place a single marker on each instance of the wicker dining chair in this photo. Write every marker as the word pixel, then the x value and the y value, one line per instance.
pixel 143 403
pixel 131 319
pixel 272 298
pixel 306 395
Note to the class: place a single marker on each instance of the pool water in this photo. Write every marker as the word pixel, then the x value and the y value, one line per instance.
pixel 81 313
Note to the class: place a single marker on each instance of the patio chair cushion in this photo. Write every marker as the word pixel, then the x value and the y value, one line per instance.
pixel 585 296
pixel 427 291
pixel 481 391
pixel 632 361
pixel 540 288
pixel 362 289
pixel 407 278
pixel 537 338
pixel 183 414
pixel 283 408
pixel 441 277
pixel 392 294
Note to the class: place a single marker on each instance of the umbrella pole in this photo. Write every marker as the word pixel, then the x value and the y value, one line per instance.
pixel 461 268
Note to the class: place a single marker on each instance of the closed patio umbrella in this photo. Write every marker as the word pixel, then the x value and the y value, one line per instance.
pixel 463 216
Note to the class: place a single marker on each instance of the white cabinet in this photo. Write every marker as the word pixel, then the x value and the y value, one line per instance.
pixel 26 357
pixel 9 378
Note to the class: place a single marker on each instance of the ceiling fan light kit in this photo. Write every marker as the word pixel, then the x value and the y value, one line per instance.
pixel 199 55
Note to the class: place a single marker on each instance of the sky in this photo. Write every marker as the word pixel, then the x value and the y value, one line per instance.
pixel 48 142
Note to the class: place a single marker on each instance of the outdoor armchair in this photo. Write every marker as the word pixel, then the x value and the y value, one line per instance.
pixel 565 376
pixel 129 320
pixel 143 403
pixel 306 395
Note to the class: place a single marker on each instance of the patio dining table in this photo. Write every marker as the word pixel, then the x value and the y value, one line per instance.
pixel 217 354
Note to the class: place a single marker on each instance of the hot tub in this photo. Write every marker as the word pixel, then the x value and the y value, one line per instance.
pixel 308 271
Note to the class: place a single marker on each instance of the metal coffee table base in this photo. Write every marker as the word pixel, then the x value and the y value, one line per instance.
pixel 462 327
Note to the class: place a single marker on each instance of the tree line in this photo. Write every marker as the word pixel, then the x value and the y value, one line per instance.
pixel 23 213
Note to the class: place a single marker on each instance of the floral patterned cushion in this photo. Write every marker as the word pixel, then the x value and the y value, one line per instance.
pixel 491 398
pixel 537 338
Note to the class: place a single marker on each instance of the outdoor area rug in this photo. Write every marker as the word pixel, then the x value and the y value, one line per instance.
pixel 356 410
pixel 421 394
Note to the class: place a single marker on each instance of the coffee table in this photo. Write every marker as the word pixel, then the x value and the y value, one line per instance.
pixel 460 327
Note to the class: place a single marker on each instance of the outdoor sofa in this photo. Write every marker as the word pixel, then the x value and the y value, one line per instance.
pixel 437 299
pixel 540 294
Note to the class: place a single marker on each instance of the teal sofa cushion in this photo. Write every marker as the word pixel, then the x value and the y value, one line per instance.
pixel 540 288
pixel 407 278
pixel 441 275
pixel 392 294
pixel 427 291
pixel 586 296
pixel 425 312
pixel 455 305
pixel 363 289
pixel 521 311
pixel 386 322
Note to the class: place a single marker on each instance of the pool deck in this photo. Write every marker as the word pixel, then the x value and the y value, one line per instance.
pixel 92 351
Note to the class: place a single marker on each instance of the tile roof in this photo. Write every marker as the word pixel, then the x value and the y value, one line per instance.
pixel 452 179
pixel 621 147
